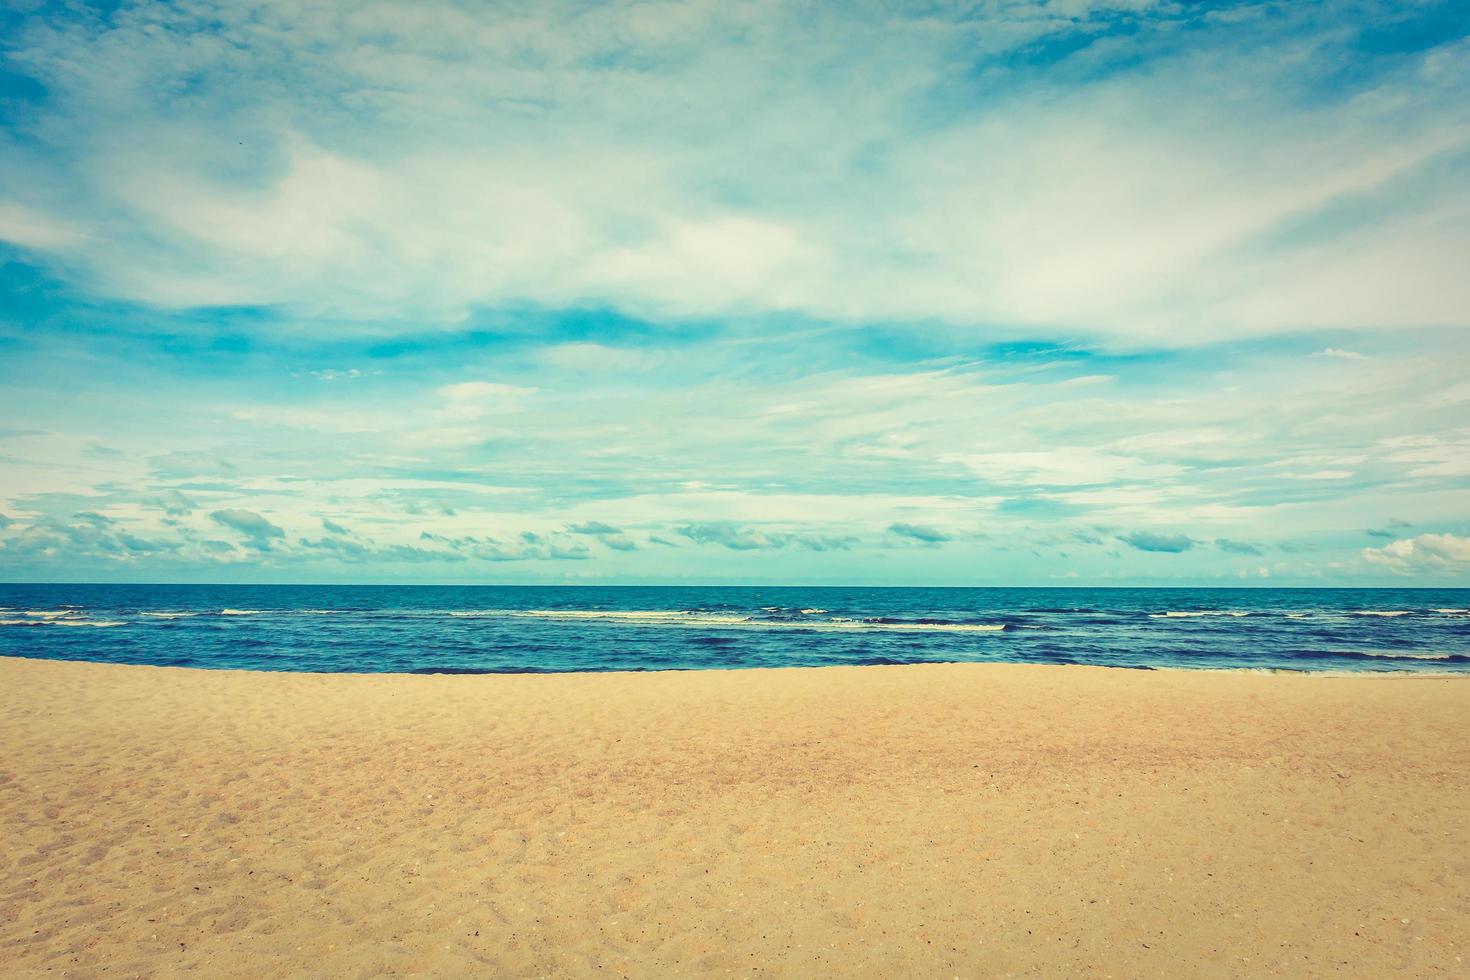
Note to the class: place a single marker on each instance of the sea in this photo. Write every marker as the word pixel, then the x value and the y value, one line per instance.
pixel 532 629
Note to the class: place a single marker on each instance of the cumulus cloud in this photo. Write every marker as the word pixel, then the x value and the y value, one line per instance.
pixel 1427 551
pixel 594 528
pixel 739 538
pixel 175 504
pixel 259 531
pixel 527 546
pixel 919 532
pixel 358 552
pixel 1151 541
pixel 50 540
pixel 731 536
pixel 334 528
pixel 1237 547
pixel 606 534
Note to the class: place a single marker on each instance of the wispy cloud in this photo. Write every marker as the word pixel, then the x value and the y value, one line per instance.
pixel 1302 197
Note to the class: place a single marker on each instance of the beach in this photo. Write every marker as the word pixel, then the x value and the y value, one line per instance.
pixel 925 820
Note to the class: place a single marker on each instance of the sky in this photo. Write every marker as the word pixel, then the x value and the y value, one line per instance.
pixel 748 291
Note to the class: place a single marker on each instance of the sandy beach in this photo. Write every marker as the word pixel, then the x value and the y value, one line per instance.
pixel 957 820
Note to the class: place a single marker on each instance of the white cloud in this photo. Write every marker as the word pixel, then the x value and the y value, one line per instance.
pixel 1453 395
pixel 1446 455
pixel 1424 551
pixel 355 419
pixel 23 226
pixel 1063 467
pixel 733 263
pixel 1319 475
pixel 689 159
pixel 476 399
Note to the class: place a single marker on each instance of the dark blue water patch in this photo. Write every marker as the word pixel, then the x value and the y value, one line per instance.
pixel 369 629
pixel 1426 658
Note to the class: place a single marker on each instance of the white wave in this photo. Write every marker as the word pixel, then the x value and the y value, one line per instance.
pixel 654 616
pixel 319 612
pixel 682 616
pixel 1397 655
pixel 1385 613
pixel 1452 612
pixel 49 613
pixel 89 622
pixel 169 615
pixel 1196 613
pixel 686 617
pixel 23 622
pixel 812 612
pixel 240 612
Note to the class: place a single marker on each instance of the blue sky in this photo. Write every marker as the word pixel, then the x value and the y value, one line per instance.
pixel 995 293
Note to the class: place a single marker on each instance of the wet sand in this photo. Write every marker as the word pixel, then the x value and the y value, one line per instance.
pixel 955 820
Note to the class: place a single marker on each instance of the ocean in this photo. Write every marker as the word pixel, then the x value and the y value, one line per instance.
pixel 500 629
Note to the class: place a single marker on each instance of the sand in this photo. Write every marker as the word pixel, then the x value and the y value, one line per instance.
pixel 957 820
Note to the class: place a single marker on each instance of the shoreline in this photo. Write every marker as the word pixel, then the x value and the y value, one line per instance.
pixel 969 818
pixel 1400 673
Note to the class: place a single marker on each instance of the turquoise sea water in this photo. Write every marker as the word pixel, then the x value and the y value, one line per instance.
pixel 430 629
